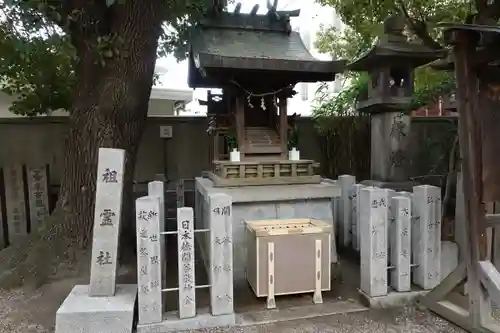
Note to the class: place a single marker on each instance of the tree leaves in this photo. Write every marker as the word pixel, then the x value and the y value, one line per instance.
pixel 363 20
pixel 37 56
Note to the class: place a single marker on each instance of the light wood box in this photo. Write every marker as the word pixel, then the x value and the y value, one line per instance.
pixel 294 242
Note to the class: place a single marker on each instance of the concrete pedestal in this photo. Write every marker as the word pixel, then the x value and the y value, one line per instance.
pixel 80 313
pixel 261 203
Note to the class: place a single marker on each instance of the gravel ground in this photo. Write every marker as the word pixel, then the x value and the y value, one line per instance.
pixel 28 311
pixel 408 320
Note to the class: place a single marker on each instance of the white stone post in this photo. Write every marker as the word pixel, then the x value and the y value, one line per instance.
pixel 390 222
pixel 334 204
pixel 179 190
pixel 400 239
pixel 157 189
pixel 345 182
pixel 15 202
pixel 38 195
pixel 149 258
pixel 336 214
pixel 108 205
pixel 221 254
pixel 185 244
pixel 426 235
pixel 355 215
pixel 373 241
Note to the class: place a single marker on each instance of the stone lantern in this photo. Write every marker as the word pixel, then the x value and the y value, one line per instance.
pixel 449 102
pixel 390 64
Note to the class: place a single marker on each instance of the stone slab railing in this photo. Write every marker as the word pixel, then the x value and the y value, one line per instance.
pixel 152 264
pixel 397 234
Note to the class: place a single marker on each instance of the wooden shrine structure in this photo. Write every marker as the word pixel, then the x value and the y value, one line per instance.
pixel 256 60
pixel 476 56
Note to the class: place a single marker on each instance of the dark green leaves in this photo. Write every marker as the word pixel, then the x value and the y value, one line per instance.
pixel 37 57
pixel 363 19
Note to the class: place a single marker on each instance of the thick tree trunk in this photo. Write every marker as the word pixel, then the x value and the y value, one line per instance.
pixel 109 110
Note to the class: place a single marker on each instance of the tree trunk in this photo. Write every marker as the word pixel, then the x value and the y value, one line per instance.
pixel 109 110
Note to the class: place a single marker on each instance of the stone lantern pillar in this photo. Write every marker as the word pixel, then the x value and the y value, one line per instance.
pixel 390 64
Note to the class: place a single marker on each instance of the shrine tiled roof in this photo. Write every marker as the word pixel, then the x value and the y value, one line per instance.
pixel 248 42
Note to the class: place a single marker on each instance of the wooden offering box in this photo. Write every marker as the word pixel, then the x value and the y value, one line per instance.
pixel 288 257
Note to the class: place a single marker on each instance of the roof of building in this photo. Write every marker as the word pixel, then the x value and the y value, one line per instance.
pixel 234 42
pixel 172 94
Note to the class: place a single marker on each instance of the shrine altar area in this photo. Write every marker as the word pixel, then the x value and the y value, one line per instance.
pixel 249 203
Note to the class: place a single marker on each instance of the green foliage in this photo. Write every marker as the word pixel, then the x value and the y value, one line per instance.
pixel 342 104
pixel 231 141
pixel 430 85
pixel 363 20
pixel 37 56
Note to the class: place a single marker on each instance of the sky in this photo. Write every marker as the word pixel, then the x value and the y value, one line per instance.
pixel 311 15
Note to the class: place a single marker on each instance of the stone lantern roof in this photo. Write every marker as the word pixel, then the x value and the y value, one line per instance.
pixel 393 48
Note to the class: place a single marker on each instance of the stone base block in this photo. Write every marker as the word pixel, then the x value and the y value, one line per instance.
pixel 396 186
pixel 203 319
pixel 392 299
pixel 80 313
pixel 449 258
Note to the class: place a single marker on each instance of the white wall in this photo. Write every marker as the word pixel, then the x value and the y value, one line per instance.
pixel 161 103
pixel 308 24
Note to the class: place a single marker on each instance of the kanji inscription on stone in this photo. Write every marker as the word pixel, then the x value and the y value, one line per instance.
pixel 107 211
pixel 185 243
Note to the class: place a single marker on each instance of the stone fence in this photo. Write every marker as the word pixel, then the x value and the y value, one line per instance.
pixel 152 264
pixel 397 235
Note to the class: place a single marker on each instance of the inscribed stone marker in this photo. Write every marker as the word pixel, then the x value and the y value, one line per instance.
pixel 108 204
pixel 346 182
pixel 15 202
pixel 355 214
pixel 333 248
pixel 400 238
pixel 221 254
pixel 390 222
pixel 426 236
pixel 373 241
pixel 38 194
pixel 149 258
pixel 180 193
pixel 157 188
pixel 185 244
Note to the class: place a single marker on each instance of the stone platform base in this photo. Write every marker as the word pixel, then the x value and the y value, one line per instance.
pixel 396 186
pixel 392 299
pixel 267 202
pixel 80 313
pixel 172 323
